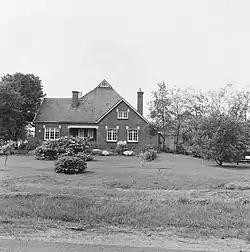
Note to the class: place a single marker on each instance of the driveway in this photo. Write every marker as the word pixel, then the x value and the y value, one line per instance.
pixel 7 245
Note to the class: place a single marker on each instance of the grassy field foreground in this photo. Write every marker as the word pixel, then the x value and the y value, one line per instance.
pixel 174 192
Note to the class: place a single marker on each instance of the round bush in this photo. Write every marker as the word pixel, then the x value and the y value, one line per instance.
pixel 70 165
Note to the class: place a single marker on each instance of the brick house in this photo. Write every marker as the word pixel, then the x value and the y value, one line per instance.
pixel 101 115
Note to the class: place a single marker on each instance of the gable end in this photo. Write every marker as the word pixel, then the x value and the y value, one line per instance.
pixel 129 105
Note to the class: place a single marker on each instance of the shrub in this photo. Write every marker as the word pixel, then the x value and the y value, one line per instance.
pixel 70 165
pixel 149 155
pixel 153 154
pixel 121 147
pixel 67 146
pixel 8 147
pixel 30 144
pixel 90 158
pixel 147 147
pixel 82 156
pixel 167 150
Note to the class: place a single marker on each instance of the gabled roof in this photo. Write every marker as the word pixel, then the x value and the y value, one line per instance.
pixel 91 106
pixel 129 105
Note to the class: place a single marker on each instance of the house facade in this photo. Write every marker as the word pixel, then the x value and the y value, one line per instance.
pixel 101 115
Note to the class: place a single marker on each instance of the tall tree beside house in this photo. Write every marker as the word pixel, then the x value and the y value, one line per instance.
pixel 11 103
pixel 170 110
pixel 179 113
pixel 30 90
pixel 159 108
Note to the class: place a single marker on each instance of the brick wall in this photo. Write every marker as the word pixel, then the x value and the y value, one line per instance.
pixel 111 121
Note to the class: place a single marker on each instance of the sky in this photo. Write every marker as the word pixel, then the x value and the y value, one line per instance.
pixel 74 45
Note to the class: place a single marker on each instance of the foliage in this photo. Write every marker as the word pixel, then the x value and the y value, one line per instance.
pixel 121 147
pixel 31 143
pixel 167 150
pixel 51 150
pixel 30 88
pixel 70 165
pixel 90 158
pixel 20 97
pixel 149 154
pixel 223 138
pixel 7 149
pixel 84 156
pixel 210 124
pixel 147 147
pixel 159 108
pixel 151 130
pixel 11 103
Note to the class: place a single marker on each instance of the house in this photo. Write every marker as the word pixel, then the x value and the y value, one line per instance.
pixel 101 115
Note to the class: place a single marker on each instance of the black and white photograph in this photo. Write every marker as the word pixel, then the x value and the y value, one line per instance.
pixel 124 126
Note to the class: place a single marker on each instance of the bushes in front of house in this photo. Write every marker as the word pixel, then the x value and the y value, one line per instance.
pixel 30 144
pixel 8 147
pixel 70 164
pixel 65 146
pixel 148 153
pixel 121 147
pixel 70 154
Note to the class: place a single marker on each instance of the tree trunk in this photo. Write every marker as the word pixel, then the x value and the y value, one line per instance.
pixel 178 133
pixel 219 162
pixel 6 158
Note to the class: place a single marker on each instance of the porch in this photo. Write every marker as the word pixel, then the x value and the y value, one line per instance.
pixel 84 131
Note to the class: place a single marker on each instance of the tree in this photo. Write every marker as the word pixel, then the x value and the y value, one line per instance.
pixel 239 104
pixel 222 137
pixel 11 103
pixel 160 113
pixel 179 113
pixel 172 109
pixel 30 91
pixel 209 124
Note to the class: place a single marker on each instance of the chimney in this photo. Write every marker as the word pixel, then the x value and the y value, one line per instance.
pixel 74 99
pixel 140 101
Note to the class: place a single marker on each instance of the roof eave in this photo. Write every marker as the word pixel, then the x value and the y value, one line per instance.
pixel 68 122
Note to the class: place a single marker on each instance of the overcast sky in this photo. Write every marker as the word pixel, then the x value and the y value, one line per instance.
pixel 132 43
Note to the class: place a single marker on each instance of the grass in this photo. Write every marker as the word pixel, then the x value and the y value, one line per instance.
pixel 173 191
pixel 133 213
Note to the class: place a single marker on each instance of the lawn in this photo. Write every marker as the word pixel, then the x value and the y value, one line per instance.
pixel 173 192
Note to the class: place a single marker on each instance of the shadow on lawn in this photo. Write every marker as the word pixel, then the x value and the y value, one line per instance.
pixel 87 172
pixel 233 167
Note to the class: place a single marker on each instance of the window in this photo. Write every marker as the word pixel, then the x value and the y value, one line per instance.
pixel 112 135
pixel 51 133
pixel 85 133
pixel 122 115
pixel 132 135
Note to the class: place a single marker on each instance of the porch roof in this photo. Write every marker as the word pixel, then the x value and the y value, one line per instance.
pixel 82 126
